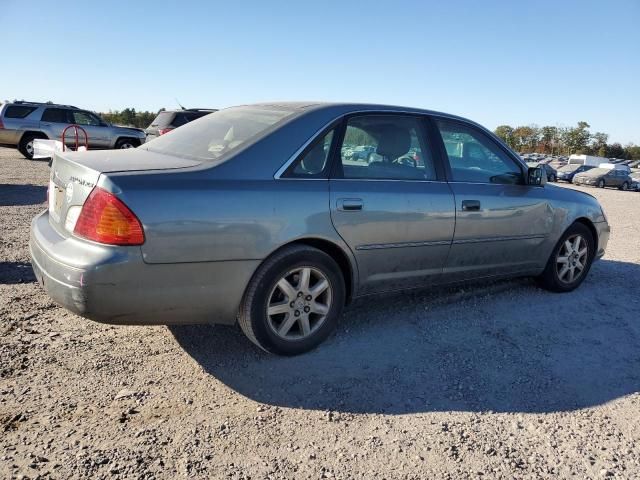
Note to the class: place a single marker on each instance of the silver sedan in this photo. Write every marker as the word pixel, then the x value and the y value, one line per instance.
pixel 254 215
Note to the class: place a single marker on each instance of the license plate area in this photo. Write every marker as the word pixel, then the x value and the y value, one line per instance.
pixel 56 198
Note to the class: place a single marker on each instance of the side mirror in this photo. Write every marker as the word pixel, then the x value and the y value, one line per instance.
pixel 536 176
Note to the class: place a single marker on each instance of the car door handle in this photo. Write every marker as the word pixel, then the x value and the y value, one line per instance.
pixel 45 124
pixel 471 205
pixel 350 204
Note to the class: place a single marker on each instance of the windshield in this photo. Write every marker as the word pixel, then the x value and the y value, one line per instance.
pixel 219 133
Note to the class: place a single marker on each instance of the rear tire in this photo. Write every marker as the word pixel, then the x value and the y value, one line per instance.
pixel 295 322
pixel 25 147
pixel 555 278
pixel 624 186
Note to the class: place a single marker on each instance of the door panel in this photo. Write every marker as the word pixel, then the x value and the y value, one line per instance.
pixel 400 232
pixel 501 223
pixel 505 235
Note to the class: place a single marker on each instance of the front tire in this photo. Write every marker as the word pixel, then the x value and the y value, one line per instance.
pixel 624 186
pixel 570 260
pixel 601 184
pixel 124 143
pixel 293 301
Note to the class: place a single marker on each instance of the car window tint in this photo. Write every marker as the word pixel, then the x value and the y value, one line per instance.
pixel 18 111
pixel 388 147
pixel 314 161
pixel 474 157
pixel 55 115
pixel 84 118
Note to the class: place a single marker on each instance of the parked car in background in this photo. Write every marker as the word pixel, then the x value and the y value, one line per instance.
pixel 552 174
pixel 22 122
pixel 363 153
pixel 567 172
pixel 604 177
pixel 168 120
pixel 252 214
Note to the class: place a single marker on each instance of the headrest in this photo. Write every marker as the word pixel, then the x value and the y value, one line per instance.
pixel 393 141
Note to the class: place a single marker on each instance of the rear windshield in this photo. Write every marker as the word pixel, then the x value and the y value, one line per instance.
pixel 219 133
pixel 18 111
pixel 163 119
pixel 569 168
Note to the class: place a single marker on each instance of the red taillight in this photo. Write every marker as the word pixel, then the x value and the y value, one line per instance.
pixel 162 131
pixel 1 124
pixel 105 219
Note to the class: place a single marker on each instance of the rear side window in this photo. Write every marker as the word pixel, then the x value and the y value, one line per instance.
pixel 18 111
pixel 55 115
pixel 314 162
pixel 385 147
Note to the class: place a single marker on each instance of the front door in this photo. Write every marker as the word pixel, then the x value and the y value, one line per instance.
pixel 501 223
pixel 96 129
pixel 391 207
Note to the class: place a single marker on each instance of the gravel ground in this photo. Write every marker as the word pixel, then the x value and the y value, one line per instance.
pixel 499 381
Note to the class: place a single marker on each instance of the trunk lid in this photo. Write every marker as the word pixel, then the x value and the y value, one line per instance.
pixel 75 174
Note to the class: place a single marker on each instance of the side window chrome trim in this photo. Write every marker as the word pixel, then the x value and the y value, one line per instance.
pixel 299 151
pixel 325 127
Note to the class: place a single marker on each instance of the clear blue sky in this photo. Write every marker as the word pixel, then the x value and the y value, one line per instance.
pixel 544 62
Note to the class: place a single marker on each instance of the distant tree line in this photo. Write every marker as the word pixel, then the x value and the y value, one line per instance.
pixel 130 118
pixel 565 141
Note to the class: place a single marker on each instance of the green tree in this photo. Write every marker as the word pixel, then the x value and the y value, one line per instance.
pixel 577 139
pixel 505 132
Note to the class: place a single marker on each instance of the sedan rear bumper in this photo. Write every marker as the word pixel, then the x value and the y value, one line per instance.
pixel 114 284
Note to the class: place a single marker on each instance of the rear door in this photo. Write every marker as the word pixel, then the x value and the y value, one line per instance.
pixel 501 223
pixel 53 122
pixel 396 213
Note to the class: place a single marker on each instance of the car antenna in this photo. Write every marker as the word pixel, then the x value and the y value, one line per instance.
pixel 179 103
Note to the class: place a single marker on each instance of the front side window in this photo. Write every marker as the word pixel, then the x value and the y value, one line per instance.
pixel 390 147
pixel 474 157
pixel 314 161
pixel 85 118
pixel 55 115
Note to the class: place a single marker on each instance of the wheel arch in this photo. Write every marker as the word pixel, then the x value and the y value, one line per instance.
pixel 35 133
pixel 589 224
pixel 341 257
pixel 127 137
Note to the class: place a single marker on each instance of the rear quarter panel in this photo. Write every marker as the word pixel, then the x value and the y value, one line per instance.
pixel 188 217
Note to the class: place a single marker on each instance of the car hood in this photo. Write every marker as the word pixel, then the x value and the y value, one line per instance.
pixel 130 130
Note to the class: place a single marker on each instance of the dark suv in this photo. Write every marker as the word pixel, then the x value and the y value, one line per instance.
pixel 21 122
pixel 167 120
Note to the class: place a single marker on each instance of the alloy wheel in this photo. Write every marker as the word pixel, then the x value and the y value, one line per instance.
pixel 299 303
pixel 571 259
pixel 29 148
